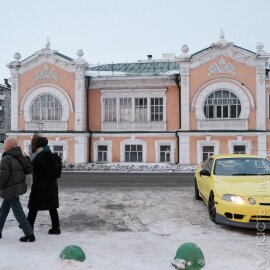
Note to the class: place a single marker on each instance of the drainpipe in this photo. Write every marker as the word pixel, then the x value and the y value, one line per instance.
pixel 87 84
pixel 176 79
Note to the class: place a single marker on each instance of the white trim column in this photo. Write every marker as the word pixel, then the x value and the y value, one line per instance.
pixel 81 148
pixel 260 100
pixel 262 145
pixel 184 149
pixel 184 62
pixel 14 71
pixel 80 92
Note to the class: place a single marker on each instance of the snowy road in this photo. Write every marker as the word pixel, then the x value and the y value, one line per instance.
pixel 119 180
pixel 129 229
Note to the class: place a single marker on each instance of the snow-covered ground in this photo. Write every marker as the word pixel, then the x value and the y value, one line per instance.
pixel 130 167
pixel 129 229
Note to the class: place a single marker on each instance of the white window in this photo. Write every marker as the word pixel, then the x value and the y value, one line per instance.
pixel 109 109
pixel 156 109
pixel 102 153
pixel 239 146
pixel 125 109
pixel 58 149
pixel 133 153
pixel 165 153
pixel 222 104
pixel 207 151
pixel 140 109
pixel 46 107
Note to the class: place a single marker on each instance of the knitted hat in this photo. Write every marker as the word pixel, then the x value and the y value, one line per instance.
pixel 42 142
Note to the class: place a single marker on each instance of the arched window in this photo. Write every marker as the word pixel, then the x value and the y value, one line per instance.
pixel 46 107
pixel 222 104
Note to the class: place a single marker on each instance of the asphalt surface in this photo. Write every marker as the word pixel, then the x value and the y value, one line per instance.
pixel 118 180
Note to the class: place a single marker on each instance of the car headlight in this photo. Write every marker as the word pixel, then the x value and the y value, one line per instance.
pixel 233 198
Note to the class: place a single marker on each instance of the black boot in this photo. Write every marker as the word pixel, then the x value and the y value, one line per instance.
pixel 28 238
pixel 54 231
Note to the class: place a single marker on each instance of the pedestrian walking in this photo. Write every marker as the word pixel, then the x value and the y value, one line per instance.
pixel 44 190
pixel 13 170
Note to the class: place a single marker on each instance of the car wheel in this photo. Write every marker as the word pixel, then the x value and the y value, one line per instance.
pixel 197 193
pixel 212 207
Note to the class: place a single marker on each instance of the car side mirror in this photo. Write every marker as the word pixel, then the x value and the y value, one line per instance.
pixel 204 172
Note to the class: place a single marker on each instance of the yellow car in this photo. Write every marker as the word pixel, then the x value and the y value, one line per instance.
pixel 236 189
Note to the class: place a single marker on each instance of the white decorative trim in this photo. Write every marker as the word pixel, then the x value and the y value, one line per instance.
pixel 260 100
pixel 56 91
pixel 184 149
pixel 230 51
pixel 200 145
pixel 46 73
pixel 185 111
pixel 81 149
pixel 222 68
pixel 14 114
pixel 137 134
pixel 109 149
pixel 172 145
pixel 262 145
pixel 223 80
pixel 202 94
pixel 232 143
pixel 130 142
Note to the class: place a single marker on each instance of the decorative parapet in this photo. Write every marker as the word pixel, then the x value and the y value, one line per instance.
pixel 48 126
pixel 223 124
pixel 222 67
pixel 46 73
pixel 133 126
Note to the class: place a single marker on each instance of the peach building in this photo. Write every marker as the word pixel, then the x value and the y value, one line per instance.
pixel 176 110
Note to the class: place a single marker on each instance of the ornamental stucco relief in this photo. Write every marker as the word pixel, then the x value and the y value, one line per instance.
pixel 46 73
pixel 222 67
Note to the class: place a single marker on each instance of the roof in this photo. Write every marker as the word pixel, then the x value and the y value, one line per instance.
pixel 235 156
pixel 161 67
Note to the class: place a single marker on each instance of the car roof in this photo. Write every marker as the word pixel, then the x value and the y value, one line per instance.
pixel 236 156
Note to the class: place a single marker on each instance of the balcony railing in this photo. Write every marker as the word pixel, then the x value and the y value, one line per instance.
pixel 133 126
pixel 223 124
pixel 48 125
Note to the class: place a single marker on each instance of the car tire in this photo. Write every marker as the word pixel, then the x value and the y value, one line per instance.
pixel 212 207
pixel 197 192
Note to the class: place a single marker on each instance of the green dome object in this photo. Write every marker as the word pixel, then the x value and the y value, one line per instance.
pixel 188 257
pixel 72 252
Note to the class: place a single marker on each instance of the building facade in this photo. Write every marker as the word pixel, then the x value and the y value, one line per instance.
pixel 176 110
pixel 4 110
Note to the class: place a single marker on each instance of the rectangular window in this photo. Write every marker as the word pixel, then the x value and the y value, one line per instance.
pixel 102 153
pixel 239 149
pixel 165 153
pixel 125 110
pixel 207 152
pixel 141 109
pixel 133 153
pixel 156 109
pixel 58 149
pixel 225 112
pixel 109 109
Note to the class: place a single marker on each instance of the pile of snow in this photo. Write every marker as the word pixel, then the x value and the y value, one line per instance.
pixel 130 167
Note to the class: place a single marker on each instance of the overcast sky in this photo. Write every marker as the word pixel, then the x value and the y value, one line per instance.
pixel 127 30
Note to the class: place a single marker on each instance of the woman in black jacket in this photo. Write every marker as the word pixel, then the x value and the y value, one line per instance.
pixel 44 191
pixel 13 169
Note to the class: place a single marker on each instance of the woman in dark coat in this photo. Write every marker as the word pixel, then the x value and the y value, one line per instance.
pixel 44 191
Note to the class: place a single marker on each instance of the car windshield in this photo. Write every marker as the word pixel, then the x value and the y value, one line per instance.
pixel 242 166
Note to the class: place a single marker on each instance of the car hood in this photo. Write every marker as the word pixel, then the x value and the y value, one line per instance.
pixel 243 185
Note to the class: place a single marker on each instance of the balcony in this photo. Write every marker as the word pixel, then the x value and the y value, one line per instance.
pixel 133 126
pixel 48 126
pixel 223 124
